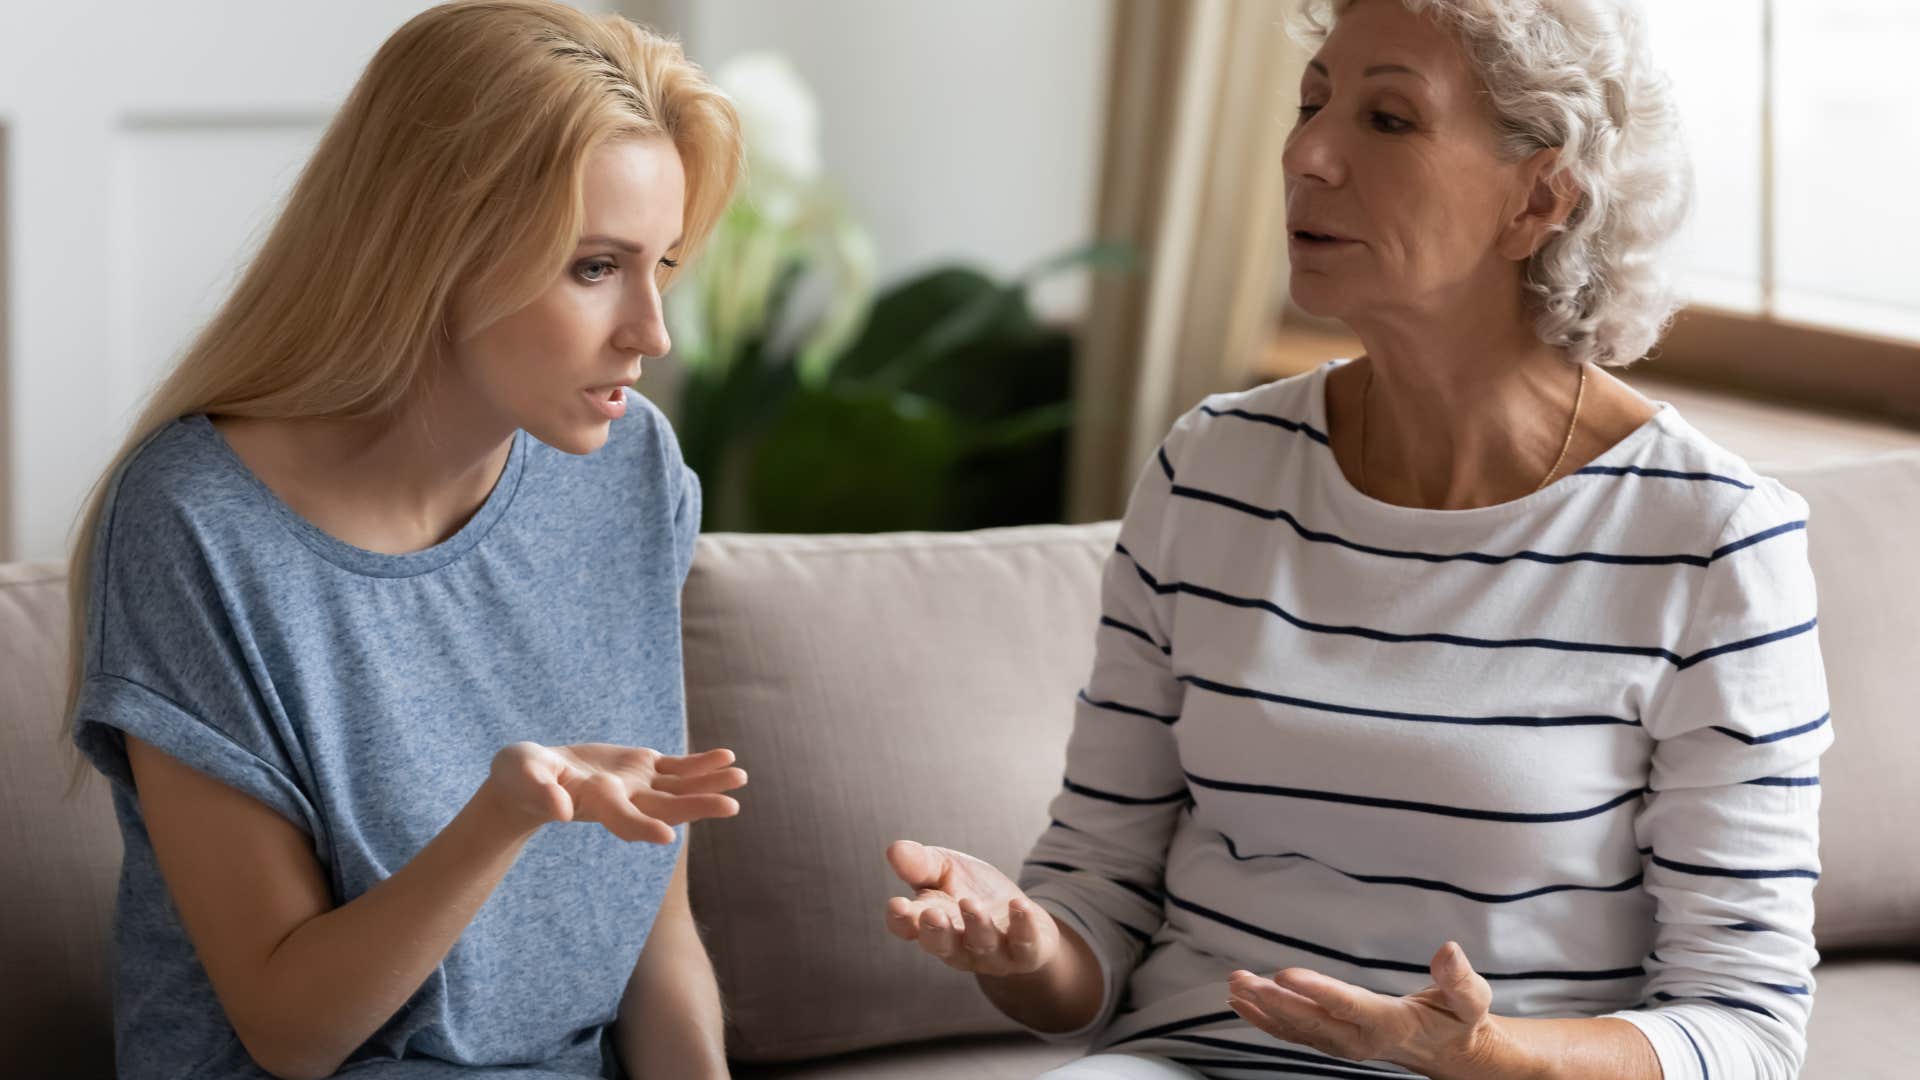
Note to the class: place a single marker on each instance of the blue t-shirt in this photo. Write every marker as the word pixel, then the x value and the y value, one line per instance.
pixel 364 695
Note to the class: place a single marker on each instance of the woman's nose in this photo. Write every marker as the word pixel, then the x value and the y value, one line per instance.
pixel 644 331
pixel 1312 153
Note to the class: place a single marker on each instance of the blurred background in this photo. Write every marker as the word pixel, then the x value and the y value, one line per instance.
pixel 988 250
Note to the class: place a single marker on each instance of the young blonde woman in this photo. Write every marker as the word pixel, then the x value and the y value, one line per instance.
pixel 384 588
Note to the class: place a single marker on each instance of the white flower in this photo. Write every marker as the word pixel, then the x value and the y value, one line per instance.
pixel 778 118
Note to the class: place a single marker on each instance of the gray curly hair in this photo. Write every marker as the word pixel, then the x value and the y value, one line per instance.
pixel 1577 75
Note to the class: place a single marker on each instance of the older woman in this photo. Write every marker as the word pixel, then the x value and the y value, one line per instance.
pixel 1471 694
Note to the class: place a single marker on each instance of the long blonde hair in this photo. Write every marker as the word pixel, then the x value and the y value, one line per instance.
pixel 454 165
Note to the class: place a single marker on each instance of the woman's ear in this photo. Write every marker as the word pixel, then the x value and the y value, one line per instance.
pixel 1551 196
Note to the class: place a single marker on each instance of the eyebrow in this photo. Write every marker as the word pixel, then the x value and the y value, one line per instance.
pixel 628 246
pixel 1377 69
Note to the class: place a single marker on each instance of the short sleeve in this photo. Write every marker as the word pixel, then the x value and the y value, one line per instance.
pixel 165 659
pixel 686 521
pixel 111 707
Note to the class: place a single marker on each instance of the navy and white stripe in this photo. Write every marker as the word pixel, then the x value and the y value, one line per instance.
pixel 1578 733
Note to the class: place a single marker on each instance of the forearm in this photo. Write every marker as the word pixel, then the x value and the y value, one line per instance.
pixel 1596 1049
pixel 671 1024
pixel 329 985
pixel 1062 996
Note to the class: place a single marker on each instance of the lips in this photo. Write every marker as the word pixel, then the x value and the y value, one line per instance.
pixel 612 391
pixel 611 402
pixel 1319 236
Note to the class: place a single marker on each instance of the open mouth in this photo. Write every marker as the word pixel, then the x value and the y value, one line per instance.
pixel 610 400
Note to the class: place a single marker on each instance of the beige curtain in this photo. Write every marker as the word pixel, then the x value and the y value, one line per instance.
pixel 1198 101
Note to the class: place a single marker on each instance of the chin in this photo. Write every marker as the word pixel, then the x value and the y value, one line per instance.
pixel 574 438
pixel 1318 296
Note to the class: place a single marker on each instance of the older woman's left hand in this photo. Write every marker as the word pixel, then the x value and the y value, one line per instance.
pixel 1444 1030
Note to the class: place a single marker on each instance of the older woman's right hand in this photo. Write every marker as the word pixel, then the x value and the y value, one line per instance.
pixel 967 913
pixel 637 793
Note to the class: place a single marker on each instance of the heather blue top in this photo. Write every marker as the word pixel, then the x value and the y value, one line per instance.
pixel 363 696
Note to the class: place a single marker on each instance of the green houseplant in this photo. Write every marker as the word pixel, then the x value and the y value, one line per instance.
pixel 810 404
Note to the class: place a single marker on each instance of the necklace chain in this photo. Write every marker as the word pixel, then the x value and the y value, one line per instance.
pixel 1573 424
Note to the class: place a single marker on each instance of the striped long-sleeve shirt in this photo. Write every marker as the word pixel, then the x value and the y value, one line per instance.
pixel 1577 732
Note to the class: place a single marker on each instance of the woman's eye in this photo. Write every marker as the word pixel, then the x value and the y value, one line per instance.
pixel 669 264
pixel 1307 112
pixel 1391 124
pixel 593 270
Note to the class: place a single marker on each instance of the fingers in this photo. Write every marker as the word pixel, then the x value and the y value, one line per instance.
pixel 903 913
pixel 680 809
pixel 603 798
pixel 1027 927
pixel 921 867
pixel 980 935
pixel 1277 1001
pixel 560 804
pixel 1469 994
pixel 1250 1011
pixel 933 920
pixel 693 764
pixel 903 918
pixel 939 935
pixel 1289 1015
pixel 957 926
pixel 1342 1001
pixel 706 783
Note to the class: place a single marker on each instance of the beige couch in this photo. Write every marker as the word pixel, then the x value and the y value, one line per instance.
pixel 919 685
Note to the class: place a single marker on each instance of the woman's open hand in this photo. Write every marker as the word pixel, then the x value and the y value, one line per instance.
pixel 967 913
pixel 1441 1030
pixel 637 793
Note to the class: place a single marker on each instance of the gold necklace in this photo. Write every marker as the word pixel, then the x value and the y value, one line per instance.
pixel 1573 424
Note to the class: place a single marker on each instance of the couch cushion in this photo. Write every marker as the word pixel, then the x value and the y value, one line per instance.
pixel 59 853
pixel 1005 1057
pixel 1862 521
pixel 1866 1021
pixel 875 688
pixel 1866 1026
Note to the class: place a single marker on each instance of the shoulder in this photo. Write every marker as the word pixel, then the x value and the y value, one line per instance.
pixel 1284 409
pixel 1683 467
pixel 169 490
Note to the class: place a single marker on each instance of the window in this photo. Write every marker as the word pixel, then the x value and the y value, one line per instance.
pixel 1806 144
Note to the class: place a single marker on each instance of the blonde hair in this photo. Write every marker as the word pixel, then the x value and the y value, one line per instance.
pixel 453 166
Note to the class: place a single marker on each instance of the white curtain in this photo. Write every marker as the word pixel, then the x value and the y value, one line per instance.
pixel 1199 101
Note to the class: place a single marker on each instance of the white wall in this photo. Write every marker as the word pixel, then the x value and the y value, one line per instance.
pixel 146 147
pixel 958 131
pixel 131 196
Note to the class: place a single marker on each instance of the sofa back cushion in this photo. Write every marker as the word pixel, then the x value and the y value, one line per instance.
pixel 1862 523
pixel 59 853
pixel 875 688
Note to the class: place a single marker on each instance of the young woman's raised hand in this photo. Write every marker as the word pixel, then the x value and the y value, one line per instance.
pixel 637 793
pixel 968 913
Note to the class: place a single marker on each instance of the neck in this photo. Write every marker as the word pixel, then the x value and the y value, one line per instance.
pixel 1470 412
pixel 415 475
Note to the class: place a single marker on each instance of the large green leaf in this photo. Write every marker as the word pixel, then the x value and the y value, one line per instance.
pixel 949 410
pixel 845 459
pixel 931 313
